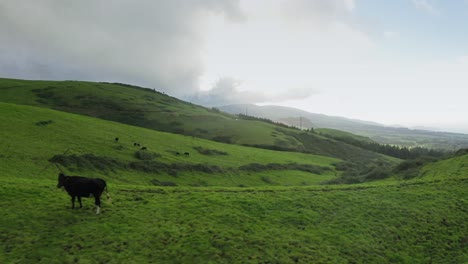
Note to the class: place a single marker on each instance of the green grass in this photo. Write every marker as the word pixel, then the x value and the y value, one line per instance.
pixel 398 223
pixel 257 206
pixel 157 111
pixel 456 167
pixel 27 147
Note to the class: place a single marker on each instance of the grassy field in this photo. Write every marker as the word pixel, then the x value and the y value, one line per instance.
pixel 30 136
pixel 150 109
pixel 456 167
pixel 220 204
pixel 423 222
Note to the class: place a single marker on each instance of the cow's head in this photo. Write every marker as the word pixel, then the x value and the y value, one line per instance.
pixel 61 180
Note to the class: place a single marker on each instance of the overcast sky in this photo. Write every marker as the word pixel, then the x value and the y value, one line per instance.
pixel 395 62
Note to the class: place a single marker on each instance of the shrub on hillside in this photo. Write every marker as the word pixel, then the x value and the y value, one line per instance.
pixel 414 163
pixel 150 166
pixel 377 173
pixel 266 179
pixel 44 123
pixel 88 162
pixel 146 155
pixel 256 167
pixel 410 168
pixel 163 183
pixel 358 172
pixel 223 139
pixel 209 152
pixel 461 152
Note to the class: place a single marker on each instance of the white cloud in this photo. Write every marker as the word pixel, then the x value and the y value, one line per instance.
pixel 391 34
pixel 226 91
pixel 150 43
pixel 425 5
pixel 277 54
pixel 350 4
pixel 463 59
pixel 316 12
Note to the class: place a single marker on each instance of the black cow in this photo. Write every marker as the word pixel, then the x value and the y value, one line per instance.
pixel 116 139
pixel 186 154
pixel 77 186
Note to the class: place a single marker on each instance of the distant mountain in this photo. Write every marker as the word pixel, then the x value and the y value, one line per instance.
pixel 380 133
pixel 276 113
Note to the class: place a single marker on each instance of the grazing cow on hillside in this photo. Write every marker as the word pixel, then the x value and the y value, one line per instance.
pixel 77 186
pixel 116 139
pixel 143 148
pixel 187 154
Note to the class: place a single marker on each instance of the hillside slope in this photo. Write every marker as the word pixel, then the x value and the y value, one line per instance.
pixel 30 136
pixel 421 220
pixel 377 132
pixel 456 167
pixel 150 109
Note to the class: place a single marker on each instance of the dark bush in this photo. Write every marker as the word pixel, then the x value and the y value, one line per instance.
pixel 146 155
pixel 377 173
pixel 343 166
pixel 266 179
pixel 461 152
pixel 209 152
pixel 256 167
pixel 358 172
pixel 163 183
pixel 414 163
pixel 44 123
pixel 199 183
pixel 173 173
pixel 159 167
pixel 223 139
pixel 88 162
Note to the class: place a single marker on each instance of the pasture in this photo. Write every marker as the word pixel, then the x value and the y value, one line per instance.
pixel 147 108
pixel 420 222
pixel 87 146
pixel 220 204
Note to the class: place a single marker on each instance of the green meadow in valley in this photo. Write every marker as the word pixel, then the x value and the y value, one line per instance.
pixel 219 203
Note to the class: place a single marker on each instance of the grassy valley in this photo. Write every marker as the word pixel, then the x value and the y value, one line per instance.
pixel 87 145
pixel 221 203
pixel 150 109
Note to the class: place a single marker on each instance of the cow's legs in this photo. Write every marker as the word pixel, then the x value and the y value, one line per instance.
pixel 79 200
pixel 97 201
pixel 73 202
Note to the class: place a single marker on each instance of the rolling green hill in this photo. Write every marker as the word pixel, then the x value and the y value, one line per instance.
pixel 416 221
pixel 31 136
pixel 150 109
pixel 456 167
pixel 221 204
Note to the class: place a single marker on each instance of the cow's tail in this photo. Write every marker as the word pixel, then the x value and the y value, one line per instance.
pixel 109 198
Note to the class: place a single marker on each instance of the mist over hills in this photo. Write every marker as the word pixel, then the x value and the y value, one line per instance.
pixel 378 132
